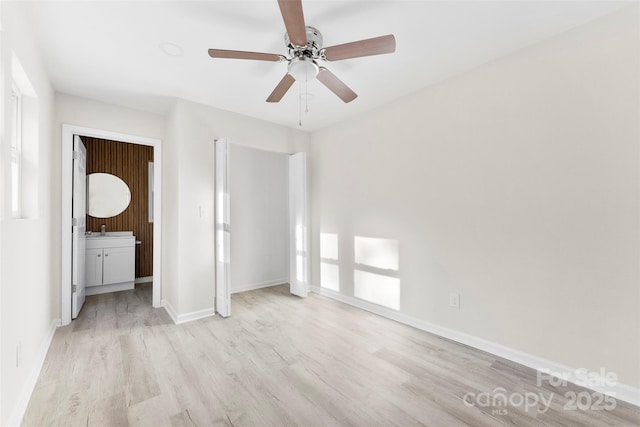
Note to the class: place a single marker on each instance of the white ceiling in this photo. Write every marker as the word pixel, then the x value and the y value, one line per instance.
pixel 110 51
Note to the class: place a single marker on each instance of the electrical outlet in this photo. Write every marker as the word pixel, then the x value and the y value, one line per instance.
pixel 454 300
pixel 18 354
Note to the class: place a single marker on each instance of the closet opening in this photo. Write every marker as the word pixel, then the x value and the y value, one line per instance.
pixel 261 230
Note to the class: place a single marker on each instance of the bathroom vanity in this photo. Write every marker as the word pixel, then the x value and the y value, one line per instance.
pixel 110 262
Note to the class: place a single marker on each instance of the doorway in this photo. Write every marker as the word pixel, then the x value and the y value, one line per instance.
pixel 261 221
pixel 68 132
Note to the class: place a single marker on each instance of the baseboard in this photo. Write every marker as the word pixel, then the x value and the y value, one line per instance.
pixel 145 279
pixel 27 390
pixel 186 317
pixel 107 289
pixel 253 286
pixel 620 391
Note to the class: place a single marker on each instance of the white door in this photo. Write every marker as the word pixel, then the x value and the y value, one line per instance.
pixel 223 237
pixel 298 231
pixel 79 225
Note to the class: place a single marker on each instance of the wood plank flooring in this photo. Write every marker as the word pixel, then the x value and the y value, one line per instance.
pixel 278 361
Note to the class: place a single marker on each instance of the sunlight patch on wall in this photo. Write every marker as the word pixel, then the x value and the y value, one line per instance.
pixel 378 253
pixel 301 253
pixel 329 246
pixel 329 276
pixel 376 274
pixel 377 288
pixel 329 265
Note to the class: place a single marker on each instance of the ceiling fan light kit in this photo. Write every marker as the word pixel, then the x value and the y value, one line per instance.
pixel 304 44
pixel 303 69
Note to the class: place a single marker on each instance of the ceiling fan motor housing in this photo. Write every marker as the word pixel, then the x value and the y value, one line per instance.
pixel 311 50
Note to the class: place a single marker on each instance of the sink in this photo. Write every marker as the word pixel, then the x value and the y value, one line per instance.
pixel 112 239
pixel 110 234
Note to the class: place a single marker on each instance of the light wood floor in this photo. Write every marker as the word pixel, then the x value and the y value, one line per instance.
pixel 279 360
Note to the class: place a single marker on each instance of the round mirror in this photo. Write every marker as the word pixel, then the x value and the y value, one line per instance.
pixel 108 195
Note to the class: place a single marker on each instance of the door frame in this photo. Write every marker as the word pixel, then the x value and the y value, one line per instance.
pixel 67 195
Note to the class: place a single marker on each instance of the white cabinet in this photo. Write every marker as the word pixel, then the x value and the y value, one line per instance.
pixel 93 267
pixel 118 265
pixel 110 264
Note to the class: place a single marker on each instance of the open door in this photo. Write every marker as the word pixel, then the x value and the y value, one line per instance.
pixel 79 225
pixel 298 227
pixel 223 237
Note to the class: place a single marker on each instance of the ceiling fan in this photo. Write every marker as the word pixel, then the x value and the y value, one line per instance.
pixel 306 54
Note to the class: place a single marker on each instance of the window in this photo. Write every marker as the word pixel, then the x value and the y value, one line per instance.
pixel 16 152
pixel 23 138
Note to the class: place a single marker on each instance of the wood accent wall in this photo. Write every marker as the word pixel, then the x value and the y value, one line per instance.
pixel 129 162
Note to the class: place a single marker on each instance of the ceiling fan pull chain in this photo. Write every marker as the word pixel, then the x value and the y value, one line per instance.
pixel 306 96
pixel 299 104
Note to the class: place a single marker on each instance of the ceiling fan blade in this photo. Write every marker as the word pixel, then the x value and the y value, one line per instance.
pixel 282 88
pixel 336 85
pixel 293 17
pixel 368 47
pixel 240 54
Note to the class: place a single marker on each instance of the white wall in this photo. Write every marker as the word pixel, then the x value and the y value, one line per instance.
pixel 191 129
pixel 89 113
pixel 515 185
pixel 28 256
pixel 259 217
pixel 170 188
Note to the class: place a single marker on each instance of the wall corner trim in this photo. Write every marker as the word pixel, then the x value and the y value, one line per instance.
pixel 186 317
pixel 620 391
pixel 27 389
pixel 170 310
